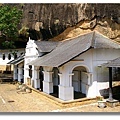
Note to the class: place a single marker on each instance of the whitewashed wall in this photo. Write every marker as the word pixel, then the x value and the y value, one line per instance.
pixel 101 73
pixel 92 60
pixel 6 52
pixel 84 60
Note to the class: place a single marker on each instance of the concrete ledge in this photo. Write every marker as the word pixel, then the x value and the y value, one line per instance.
pixel 62 103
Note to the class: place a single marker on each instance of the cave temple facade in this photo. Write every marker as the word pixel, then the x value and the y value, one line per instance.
pixel 69 68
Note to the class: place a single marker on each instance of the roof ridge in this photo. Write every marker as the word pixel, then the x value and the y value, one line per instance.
pixel 76 36
pixel 114 59
pixel 106 37
pixel 93 40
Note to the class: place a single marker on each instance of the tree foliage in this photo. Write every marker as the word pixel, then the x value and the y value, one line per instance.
pixel 9 20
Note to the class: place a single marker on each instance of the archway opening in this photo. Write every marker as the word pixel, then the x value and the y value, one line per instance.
pixel 80 82
pixel 22 80
pixel 41 77
pixel 30 71
pixel 56 82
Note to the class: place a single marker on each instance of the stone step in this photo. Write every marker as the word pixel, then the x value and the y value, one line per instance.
pixel 71 103
pixel 2 80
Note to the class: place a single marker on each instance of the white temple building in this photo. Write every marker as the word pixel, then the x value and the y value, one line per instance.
pixel 68 67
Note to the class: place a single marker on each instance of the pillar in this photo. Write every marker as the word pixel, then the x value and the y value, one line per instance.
pixel 66 91
pixel 15 75
pixel 26 74
pixel 36 78
pixel 90 91
pixel 111 102
pixel 110 84
pixel 20 74
pixel 33 76
pixel 47 82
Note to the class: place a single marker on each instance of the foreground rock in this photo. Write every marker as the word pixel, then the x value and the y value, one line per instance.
pixel 22 88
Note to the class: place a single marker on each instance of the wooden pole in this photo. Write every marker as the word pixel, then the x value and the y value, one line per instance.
pixel 110 84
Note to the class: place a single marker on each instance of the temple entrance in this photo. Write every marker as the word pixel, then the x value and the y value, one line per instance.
pixel 41 77
pixel 80 82
pixel 56 82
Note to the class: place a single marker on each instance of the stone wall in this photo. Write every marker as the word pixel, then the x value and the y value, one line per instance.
pixel 6 68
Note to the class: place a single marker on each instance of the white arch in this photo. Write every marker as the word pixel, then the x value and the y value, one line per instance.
pixel 85 85
pixel 82 65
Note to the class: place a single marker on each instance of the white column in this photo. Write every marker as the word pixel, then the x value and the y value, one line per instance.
pixel 20 75
pixel 15 76
pixel 33 76
pixel 89 78
pixel 66 91
pixel 91 86
pixel 48 83
pixel 26 74
pixel 70 79
pixel 36 78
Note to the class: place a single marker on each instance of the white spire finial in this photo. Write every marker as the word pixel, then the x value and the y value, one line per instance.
pixel 29 38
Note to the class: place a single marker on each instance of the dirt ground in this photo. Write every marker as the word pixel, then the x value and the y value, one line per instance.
pixel 11 101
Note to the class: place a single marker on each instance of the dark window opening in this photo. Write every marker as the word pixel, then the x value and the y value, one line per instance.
pixel 3 56
pixel 9 56
pixel 15 55
pixel 30 71
pixel 17 69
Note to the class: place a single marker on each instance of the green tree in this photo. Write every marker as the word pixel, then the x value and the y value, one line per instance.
pixel 9 20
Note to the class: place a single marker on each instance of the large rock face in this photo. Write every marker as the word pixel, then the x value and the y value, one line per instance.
pixel 61 21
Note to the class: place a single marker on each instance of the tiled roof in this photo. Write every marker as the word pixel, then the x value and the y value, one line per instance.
pixel 113 63
pixel 46 46
pixel 71 48
pixel 101 41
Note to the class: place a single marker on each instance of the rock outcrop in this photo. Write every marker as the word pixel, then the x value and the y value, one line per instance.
pixel 61 21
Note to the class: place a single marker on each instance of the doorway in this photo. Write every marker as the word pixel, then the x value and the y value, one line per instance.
pixel 56 82
pixel 80 82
